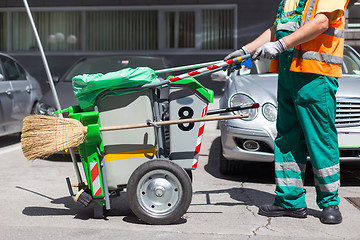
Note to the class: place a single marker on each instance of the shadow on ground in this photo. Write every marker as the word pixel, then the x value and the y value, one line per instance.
pixel 251 172
pixel 258 172
pixel 66 206
pixel 9 140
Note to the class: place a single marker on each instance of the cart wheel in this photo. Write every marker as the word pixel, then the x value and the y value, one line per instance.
pixel 159 192
pixel 189 173
pixel 98 211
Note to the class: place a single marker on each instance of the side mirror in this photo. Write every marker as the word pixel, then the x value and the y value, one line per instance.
pixel 1 77
pixel 56 79
pixel 219 76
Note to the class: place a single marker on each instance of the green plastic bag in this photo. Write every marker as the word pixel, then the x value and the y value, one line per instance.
pixel 87 87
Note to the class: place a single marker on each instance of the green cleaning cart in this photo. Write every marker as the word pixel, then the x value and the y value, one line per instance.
pixel 152 164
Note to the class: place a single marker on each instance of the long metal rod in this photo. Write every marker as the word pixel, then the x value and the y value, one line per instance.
pixel 51 82
pixel 233 109
pixel 186 67
pixel 47 69
pixel 169 122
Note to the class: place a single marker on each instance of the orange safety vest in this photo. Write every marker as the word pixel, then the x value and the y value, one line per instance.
pixel 324 54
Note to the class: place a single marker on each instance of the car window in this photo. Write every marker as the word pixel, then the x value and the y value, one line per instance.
pixel 351 63
pixel 12 71
pixel 2 77
pixel 22 72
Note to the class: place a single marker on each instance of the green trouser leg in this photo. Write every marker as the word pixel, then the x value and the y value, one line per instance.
pixel 306 125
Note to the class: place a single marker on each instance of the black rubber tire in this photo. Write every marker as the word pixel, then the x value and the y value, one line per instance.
pixel 226 166
pixel 159 192
pixel 190 174
pixel 98 210
pixel 223 162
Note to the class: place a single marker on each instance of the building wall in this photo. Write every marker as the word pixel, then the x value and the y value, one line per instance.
pixel 253 17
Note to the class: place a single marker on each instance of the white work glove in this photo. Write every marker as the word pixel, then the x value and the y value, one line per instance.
pixel 238 53
pixel 270 50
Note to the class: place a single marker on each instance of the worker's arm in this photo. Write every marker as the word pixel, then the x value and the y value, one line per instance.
pixel 319 24
pixel 265 37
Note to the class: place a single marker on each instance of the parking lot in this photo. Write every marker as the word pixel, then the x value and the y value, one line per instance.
pixel 36 203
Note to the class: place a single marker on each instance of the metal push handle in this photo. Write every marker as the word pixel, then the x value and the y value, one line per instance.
pixel 207 69
pixel 199 72
pixel 174 69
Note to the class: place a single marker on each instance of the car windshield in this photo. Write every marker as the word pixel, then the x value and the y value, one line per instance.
pixel 111 64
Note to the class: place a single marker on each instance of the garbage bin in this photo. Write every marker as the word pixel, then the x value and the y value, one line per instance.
pixel 187 99
pixel 125 150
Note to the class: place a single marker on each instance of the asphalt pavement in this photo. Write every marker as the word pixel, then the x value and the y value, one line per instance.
pixel 36 204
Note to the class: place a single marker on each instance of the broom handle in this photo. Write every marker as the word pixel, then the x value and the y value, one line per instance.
pixel 162 123
pixel 43 57
pixel 51 82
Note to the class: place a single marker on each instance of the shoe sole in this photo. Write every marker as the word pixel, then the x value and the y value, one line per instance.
pixel 331 221
pixel 302 214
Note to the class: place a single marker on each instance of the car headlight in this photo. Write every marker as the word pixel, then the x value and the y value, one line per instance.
pixel 269 111
pixel 42 108
pixel 240 99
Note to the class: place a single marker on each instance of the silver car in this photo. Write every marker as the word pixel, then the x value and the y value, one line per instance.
pixel 252 139
pixel 19 93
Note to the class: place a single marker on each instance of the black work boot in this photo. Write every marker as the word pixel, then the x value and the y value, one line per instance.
pixel 331 215
pixel 277 211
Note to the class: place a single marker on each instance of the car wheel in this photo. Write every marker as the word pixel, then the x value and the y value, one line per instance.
pixel 159 192
pixel 227 166
pixel 33 109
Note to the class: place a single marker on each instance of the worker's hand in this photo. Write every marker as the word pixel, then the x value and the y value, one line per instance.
pixel 238 53
pixel 270 50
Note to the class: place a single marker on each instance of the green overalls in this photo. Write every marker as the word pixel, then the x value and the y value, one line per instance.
pixel 306 126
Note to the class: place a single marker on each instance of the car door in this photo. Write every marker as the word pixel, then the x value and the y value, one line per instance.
pixel 21 88
pixel 6 100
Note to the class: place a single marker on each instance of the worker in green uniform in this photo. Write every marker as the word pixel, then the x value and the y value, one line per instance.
pixel 306 47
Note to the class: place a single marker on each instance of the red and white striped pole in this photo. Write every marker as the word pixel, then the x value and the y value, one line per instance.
pixel 209 68
pixel 199 138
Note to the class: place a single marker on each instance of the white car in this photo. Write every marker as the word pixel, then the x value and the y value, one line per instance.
pixel 252 139
pixel 19 93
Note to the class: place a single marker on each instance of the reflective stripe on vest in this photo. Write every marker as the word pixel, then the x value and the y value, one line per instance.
pixel 289 26
pixel 289 21
pixel 321 57
pixel 307 17
pixel 335 32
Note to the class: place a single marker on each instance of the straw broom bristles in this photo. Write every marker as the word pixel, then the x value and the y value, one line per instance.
pixel 43 135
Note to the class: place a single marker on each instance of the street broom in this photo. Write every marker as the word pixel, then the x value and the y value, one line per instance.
pixel 43 135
